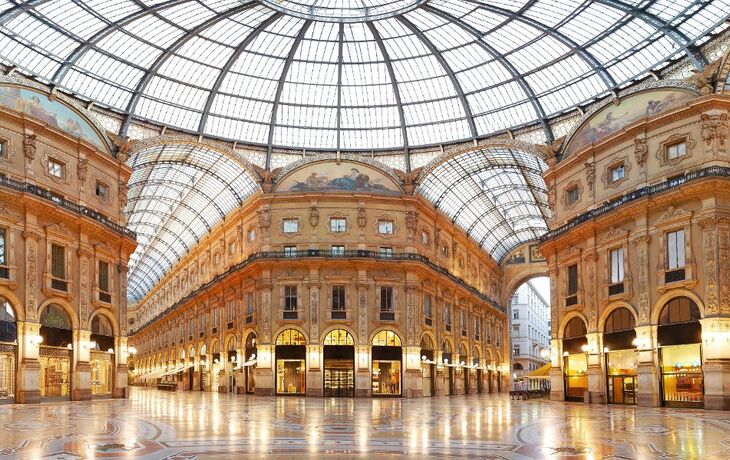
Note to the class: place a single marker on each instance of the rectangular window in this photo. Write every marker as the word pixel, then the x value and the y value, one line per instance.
pixel 56 168
pixel 290 298
pixel 462 315
pixel 102 190
pixel 386 299
pixel 215 317
pixel 291 225
pixel 202 325
pixel 385 227
pixel 338 298
pixel 573 279
pixel 249 308
pixel 516 314
pixel 516 350
pixel 251 235
pixel 617 265
pixel 447 316
pixel 338 224
pixel 3 234
pixel 230 311
pixel 676 150
pixel 427 310
pixel 104 276
pixel 675 250
pixel 338 251
pixel 3 148
pixel 424 238
pixel 573 195
pixel 386 253
pixel 618 172
pixel 290 251
pixel 476 329
pixel 58 262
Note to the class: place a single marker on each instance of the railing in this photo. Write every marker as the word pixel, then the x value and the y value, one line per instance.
pixel 24 187
pixel 572 300
pixel 387 316
pixel 5 273
pixel 674 275
pixel 105 297
pixel 59 285
pixel 617 288
pixel 291 314
pixel 327 254
pixel 339 314
pixel 609 206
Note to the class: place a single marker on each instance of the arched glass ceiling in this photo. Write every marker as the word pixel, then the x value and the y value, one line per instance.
pixel 177 193
pixel 437 72
pixel 496 195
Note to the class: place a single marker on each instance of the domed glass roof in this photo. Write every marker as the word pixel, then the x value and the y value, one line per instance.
pixel 349 74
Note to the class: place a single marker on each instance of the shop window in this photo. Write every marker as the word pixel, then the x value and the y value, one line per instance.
pixel 385 227
pixel 290 225
pixel 387 303
pixel 338 224
pixel 102 190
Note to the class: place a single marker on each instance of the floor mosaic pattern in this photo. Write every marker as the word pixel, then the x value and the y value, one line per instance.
pixel 161 425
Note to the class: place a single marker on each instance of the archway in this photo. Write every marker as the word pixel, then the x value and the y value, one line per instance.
pixel 622 358
pixel 231 363
pixel 679 335
pixel 479 373
pixel 291 368
pixel 339 363
pixel 8 350
pixel 387 357
pixel 101 356
pixel 575 359
pixel 447 361
pixel 54 354
pixel 463 366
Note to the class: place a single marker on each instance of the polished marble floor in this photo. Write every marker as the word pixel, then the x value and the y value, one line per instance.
pixel 154 425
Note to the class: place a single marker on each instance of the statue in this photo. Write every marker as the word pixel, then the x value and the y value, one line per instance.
pixel 408 179
pixel 266 177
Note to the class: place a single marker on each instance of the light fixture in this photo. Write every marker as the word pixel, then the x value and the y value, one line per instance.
pixel 423 358
pixel 36 340
pixel 132 350
pixel 584 348
pixel 110 351
pixel 565 353
pixel 69 346
pixel 605 349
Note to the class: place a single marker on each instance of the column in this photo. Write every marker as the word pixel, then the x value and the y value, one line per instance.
pixel 314 369
pixel 557 382
pixel 716 365
pixel 412 377
pixel 363 376
pixel 264 370
pixel 28 367
pixel 647 391
pixel 121 353
pixel 81 380
pixel 596 377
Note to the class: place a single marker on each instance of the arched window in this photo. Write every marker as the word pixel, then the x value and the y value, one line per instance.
pixel 232 344
pixel 679 310
pixel 446 346
pixel 55 317
pixel 575 328
pixel 251 340
pixel 203 350
pixel 462 350
pixel 291 337
pixel 101 325
pixel 386 339
pixel 518 367
pixel 339 337
pixel 8 325
pixel 618 320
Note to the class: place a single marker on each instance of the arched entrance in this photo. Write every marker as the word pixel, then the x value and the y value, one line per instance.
pixel 339 364
pixel 8 350
pixel 575 359
pixel 448 368
pixel 54 354
pixel 476 357
pixel 619 338
pixel 204 379
pixel 680 353
pixel 101 356
pixel 428 366
pixel 291 369
pixel 387 357
pixel 250 363
pixel 217 367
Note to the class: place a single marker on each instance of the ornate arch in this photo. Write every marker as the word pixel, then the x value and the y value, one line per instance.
pixel 671 294
pixel 63 303
pixel 347 329
pixel 568 317
pixel 15 303
pixel 392 329
pixel 285 327
pixel 610 308
pixel 106 314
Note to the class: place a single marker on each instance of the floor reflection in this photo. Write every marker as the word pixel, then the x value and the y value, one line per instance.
pixel 154 425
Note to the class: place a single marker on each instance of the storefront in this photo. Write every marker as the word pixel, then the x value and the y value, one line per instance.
pixel 478 373
pixel 680 354
pixel 463 366
pixel 575 360
pixel 428 367
pixel 101 357
pixel 339 364
pixel 216 367
pixel 387 357
pixel 8 351
pixel 621 357
pixel 291 370
pixel 250 363
pixel 204 375
pixel 231 365
pixel 448 368
pixel 55 353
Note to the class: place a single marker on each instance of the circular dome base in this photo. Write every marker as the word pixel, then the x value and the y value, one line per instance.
pixel 344 10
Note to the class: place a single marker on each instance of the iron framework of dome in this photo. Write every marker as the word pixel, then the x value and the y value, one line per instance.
pixel 349 74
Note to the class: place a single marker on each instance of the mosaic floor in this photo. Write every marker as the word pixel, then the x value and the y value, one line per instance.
pixel 155 425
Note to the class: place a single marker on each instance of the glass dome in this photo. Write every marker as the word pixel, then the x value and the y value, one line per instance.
pixel 355 75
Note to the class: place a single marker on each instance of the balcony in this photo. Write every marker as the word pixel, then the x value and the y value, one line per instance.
pixel 105 297
pixel 617 288
pixel 5 272
pixel 571 300
pixel 339 314
pixel 291 314
pixel 428 321
pixel 249 319
pixel 387 316
pixel 59 285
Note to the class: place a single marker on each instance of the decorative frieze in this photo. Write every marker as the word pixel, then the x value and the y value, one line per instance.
pixel 714 130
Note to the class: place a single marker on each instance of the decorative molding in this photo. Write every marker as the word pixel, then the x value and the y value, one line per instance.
pixel 564 197
pixel 641 152
pixel 613 234
pixel 590 170
pixel 606 176
pixel 714 131
pixel 661 154
pixel 673 216
pixel 9 154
